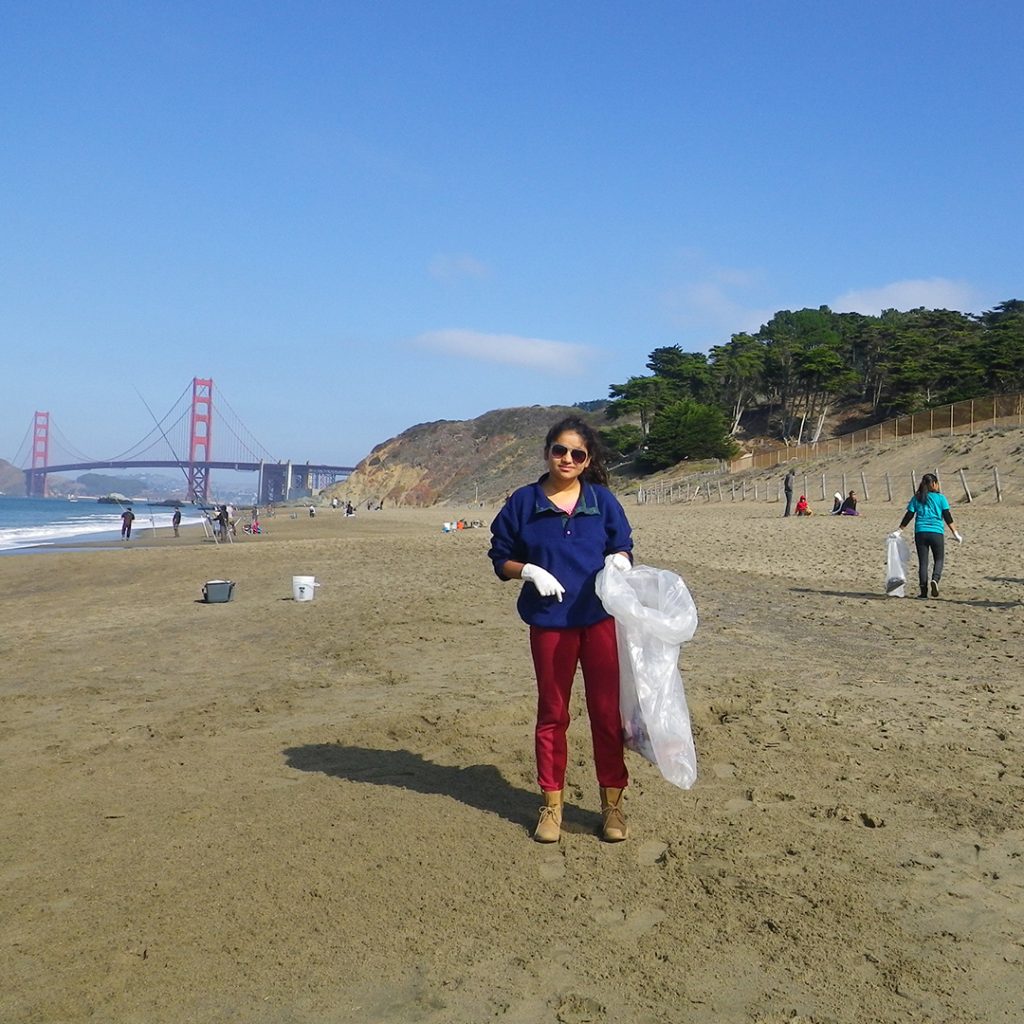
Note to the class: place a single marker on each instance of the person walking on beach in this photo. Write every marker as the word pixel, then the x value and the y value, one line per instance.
pixel 176 520
pixel 931 514
pixel 127 516
pixel 787 486
pixel 556 535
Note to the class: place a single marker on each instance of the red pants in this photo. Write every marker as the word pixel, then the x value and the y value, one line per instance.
pixel 556 652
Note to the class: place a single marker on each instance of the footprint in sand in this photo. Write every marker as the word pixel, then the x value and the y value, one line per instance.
pixel 625 926
pixel 652 852
pixel 552 866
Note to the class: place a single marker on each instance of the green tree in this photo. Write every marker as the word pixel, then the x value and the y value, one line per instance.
pixel 1001 350
pixel 803 360
pixel 622 441
pixel 934 357
pixel 687 430
pixel 738 368
pixel 687 374
pixel 639 396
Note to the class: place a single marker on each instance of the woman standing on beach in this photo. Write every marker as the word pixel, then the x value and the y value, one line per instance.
pixel 930 510
pixel 556 535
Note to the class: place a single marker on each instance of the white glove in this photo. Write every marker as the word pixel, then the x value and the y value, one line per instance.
pixel 896 533
pixel 957 537
pixel 546 584
pixel 618 561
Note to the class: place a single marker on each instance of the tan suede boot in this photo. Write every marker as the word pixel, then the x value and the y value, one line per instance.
pixel 614 830
pixel 549 827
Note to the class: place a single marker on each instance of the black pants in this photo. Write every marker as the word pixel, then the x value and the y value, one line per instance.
pixel 935 543
pixel 789 502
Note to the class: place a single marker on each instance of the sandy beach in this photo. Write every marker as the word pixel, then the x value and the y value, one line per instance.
pixel 274 811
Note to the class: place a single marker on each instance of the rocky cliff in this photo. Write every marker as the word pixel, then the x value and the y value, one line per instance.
pixel 458 461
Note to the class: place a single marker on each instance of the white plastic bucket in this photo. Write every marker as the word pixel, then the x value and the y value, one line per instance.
pixel 304 587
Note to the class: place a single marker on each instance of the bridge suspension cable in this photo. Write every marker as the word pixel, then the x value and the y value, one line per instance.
pixel 66 445
pixel 259 452
pixel 157 429
pixel 21 455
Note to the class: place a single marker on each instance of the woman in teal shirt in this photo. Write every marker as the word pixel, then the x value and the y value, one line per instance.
pixel 930 509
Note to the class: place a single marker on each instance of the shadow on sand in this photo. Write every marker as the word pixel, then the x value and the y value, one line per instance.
pixel 480 785
pixel 872 596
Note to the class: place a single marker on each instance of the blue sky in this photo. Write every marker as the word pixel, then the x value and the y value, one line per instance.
pixel 358 216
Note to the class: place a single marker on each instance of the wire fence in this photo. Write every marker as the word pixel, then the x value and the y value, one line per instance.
pixel 965 417
pixel 746 479
pixel 957 483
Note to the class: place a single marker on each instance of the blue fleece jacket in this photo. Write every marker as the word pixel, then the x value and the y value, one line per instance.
pixel 572 547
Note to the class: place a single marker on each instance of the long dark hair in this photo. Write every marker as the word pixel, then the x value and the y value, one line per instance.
pixel 596 472
pixel 924 488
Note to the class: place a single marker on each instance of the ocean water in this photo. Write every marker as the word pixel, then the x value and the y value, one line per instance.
pixel 35 522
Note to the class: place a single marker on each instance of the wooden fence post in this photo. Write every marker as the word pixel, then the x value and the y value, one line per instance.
pixel 823 487
pixel 963 480
pixel 888 486
pixel 913 480
pixel 999 490
pixel 864 486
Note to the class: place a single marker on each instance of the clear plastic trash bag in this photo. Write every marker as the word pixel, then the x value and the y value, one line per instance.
pixel 654 613
pixel 897 555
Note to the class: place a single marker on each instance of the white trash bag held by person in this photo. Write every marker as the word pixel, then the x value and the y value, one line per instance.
pixel 897 555
pixel 654 613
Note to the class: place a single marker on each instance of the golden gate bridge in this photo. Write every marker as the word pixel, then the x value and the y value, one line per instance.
pixel 183 438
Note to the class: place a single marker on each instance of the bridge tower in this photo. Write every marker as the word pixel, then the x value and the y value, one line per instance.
pixel 40 456
pixel 200 430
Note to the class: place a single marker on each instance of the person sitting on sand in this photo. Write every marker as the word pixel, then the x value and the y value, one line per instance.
pixel 837 503
pixel 802 508
pixel 849 506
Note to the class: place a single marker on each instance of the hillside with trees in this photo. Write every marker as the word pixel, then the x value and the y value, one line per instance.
pixel 804 366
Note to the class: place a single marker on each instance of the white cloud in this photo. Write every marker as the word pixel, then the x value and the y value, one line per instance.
pixel 455 266
pixel 709 305
pixel 536 353
pixel 932 293
pixel 712 303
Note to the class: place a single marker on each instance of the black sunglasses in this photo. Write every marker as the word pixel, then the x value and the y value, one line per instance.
pixel 579 456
